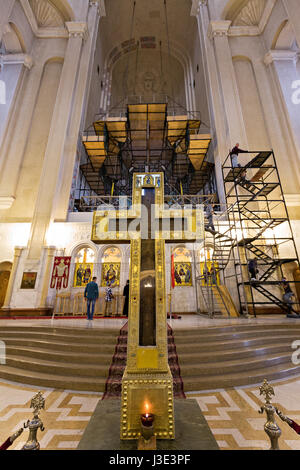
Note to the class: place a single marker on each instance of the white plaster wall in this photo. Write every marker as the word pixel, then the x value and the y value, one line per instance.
pixel 37 141
pixel 19 18
pixel 256 131
pixel 276 19
pixel 131 83
pixel 10 77
pixel 12 235
pixel 183 298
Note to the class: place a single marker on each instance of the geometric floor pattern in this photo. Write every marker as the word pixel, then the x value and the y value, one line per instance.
pixel 231 414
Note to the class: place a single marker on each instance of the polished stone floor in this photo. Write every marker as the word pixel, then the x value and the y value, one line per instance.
pixel 186 321
pixel 231 414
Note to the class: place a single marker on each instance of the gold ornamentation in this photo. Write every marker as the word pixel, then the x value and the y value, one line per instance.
pixel 271 427
pixel 37 403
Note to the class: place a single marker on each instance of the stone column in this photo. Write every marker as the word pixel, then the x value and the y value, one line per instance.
pixel 213 90
pixel 77 122
pixel 54 154
pixel 50 255
pixel 22 103
pixel 14 269
pixel 218 31
pixel 293 10
pixel 284 64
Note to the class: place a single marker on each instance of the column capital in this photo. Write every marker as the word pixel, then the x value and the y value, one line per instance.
pixel 77 28
pixel 197 4
pixel 18 251
pixel 280 55
pixel 218 29
pixel 15 59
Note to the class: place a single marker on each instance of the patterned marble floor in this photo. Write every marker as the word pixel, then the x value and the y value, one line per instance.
pixel 231 414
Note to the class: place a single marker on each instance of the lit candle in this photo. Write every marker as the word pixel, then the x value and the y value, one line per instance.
pixel 147 418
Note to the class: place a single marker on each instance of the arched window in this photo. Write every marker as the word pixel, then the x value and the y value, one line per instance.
pixel 182 267
pixel 84 266
pixel 111 267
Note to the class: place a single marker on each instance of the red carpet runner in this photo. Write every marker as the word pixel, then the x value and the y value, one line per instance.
pixel 114 382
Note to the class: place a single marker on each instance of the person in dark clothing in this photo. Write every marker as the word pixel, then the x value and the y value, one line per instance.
pixel 126 302
pixel 234 155
pixel 209 215
pixel 91 294
pixel 252 266
pixel 288 294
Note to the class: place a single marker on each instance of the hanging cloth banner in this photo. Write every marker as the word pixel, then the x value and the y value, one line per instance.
pixel 172 271
pixel 60 273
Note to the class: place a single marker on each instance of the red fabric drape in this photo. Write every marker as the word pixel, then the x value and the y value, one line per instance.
pixel 172 271
pixel 6 444
pixel 296 427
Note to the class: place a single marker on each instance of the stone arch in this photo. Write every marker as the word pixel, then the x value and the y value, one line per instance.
pixel 65 8
pixel 117 259
pixel 13 40
pixel 73 253
pixel 79 246
pixel 177 53
pixel 285 36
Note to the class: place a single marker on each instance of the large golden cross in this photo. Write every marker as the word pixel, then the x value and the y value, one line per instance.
pixel 147 379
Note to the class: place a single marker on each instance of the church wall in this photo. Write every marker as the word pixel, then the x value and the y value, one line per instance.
pixel 10 79
pixel 276 19
pixel 93 106
pixel 37 141
pixel 200 86
pixel 253 113
pixel 183 297
pixel 19 18
pixel 147 81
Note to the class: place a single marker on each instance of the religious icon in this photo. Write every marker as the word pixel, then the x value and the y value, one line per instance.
pixel 28 280
pixel 110 274
pixel 148 180
pixel 83 274
pixel 60 273
pixel 183 274
pixel 210 274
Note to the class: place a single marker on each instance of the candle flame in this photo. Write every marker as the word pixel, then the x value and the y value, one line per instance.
pixel 147 408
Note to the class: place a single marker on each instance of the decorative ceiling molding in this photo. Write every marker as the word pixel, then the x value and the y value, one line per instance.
pixel 43 32
pixel 250 14
pixel 46 14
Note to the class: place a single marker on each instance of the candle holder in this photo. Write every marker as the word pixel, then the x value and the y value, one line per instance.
pixel 147 441
pixel 37 403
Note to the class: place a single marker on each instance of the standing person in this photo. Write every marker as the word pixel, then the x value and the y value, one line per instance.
pixel 252 266
pixel 209 214
pixel 213 274
pixel 234 155
pixel 108 299
pixel 126 302
pixel 288 294
pixel 91 294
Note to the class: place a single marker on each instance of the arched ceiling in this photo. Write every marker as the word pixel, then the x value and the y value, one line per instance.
pixel 119 30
